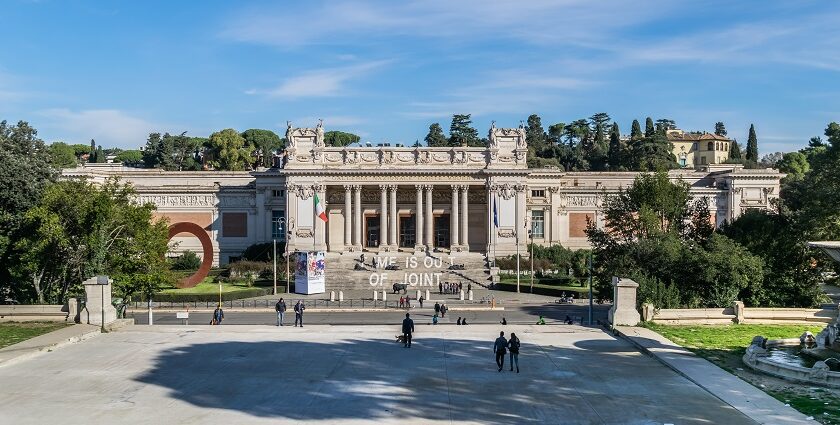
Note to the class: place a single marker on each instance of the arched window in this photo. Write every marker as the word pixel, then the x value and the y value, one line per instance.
pixel 711 146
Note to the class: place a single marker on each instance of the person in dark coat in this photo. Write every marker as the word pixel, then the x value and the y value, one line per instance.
pixel 299 307
pixel 218 315
pixel 437 308
pixel 513 346
pixel 280 308
pixel 407 330
pixel 500 348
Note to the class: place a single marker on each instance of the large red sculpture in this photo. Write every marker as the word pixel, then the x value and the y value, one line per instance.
pixel 207 249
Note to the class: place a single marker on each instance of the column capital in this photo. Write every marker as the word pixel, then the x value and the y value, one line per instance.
pixel 419 187
pixel 348 187
pixel 383 187
pixel 318 187
pixel 393 187
pixel 459 187
pixel 429 187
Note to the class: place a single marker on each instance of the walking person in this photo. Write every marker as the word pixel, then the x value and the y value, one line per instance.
pixel 402 302
pixel 218 315
pixel 500 348
pixel 299 307
pixel 407 330
pixel 407 301
pixel 421 301
pixel 440 287
pixel 280 308
pixel 437 308
pixel 513 346
pixel 443 309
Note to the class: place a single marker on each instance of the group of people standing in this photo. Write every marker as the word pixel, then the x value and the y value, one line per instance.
pixel 280 308
pixel 452 287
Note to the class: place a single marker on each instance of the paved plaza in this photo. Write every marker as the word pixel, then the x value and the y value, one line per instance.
pixel 350 374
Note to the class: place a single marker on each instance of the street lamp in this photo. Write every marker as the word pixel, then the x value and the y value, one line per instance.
pixel 281 224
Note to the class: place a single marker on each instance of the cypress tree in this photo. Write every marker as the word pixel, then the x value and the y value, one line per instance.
pixel 734 150
pixel 436 138
pixel 635 131
pixel 752 145
pixel 614 156
pixel 650 130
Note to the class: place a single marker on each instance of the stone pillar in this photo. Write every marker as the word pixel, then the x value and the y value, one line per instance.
pixel 738 307
pixel 429 217
pixel 453 221
pixel 348 219
pixel 383 217
pixel 394 239
pixel 357 219
pixel 491 226
pixel 320 225
pixel 465 218
pixel 418 219
pixel 96 297
pixel 521 219
pixel 623 311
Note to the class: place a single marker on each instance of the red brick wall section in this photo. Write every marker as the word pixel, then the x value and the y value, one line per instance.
pixel 577 224
pixel 203 219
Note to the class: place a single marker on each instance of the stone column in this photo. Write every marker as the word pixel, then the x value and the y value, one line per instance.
pixel 429 217
pixel 320 225
pixel 418 219
pixel 465 218
pixel 357 220
pixel 394 239
pixel 623 311
pixel 521 217
pixel 453 220
pixel 491 227
pixel 383 216
pixel 348 218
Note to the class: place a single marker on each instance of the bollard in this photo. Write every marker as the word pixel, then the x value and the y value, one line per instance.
pixel 471 295
pixel 427 294
pixel 384 296
pixel 462 295
pixel 375 295
pixel 332 296
pixel 418 295
pixel 340 296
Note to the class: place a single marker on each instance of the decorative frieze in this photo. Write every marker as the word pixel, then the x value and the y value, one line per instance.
pixel 164 201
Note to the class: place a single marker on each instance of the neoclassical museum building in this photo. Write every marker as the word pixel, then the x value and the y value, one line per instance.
pixel 482 200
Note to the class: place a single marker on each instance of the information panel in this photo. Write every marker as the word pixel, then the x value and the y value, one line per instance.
pixel 309 273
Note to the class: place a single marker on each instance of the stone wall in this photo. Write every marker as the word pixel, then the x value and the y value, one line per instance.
pixel 738 314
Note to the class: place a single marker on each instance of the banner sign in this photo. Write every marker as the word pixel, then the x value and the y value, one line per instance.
pixel 309 275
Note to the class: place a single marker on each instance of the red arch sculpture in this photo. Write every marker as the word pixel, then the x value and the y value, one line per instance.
pixel 207 249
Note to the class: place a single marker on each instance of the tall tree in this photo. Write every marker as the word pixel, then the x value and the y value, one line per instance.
pixel 461 131
pixel 665 124
pixel 340 138
pixel 62 155
pixel 535 134
pixel 150 153
pixel 615 148
pixel 651 153
pixel 752 145
pixel 264 143
pixel 734 151
pixel 99 156
pixel 435 138
pixel 649 128
pixel 599 122
pixel 720 129
pixel 228 150
pixel 636 131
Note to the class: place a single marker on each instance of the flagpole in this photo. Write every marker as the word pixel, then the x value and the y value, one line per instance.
pixel 517 242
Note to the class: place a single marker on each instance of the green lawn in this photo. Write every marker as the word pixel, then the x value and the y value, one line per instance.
pixel 207 286
pixel 725 344
pixel 12 333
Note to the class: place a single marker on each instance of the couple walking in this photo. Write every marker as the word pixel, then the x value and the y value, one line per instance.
pixel 280 308
pixel 501 346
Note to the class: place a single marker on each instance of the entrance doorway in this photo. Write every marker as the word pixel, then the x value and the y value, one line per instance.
pixel 408 231
pixel 442 231
pixel 372 232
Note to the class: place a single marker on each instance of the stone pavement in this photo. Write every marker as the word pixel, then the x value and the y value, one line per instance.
pixel 737 393
pixel 45 343
pixel 351 374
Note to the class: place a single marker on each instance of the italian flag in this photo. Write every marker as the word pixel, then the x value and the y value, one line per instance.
pixel 319 209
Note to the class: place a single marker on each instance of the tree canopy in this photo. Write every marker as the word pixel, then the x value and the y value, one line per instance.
pixel 435 138
pixel 461 131
pixel 340 138
pixel 227 151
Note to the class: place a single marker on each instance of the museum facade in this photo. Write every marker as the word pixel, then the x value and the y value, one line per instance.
pixel 376 199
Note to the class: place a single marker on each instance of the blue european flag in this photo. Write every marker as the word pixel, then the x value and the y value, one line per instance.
pixel 495 214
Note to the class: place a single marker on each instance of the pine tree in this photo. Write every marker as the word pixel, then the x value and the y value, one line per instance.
pixel 752 145
pixel 615 148
pixel 665 124
pixel 650 130
pixel 734 151
pixel 150 152
pixel 535 134
pixel 436 138
pixel 461 132
pixel 635 131
pixel 720 129
pixel 99 155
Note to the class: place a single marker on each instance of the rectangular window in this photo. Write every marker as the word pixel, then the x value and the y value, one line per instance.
pixel 538 193
pixel 278 225
pixel 538 224
pixel 234 225
pixel 276 193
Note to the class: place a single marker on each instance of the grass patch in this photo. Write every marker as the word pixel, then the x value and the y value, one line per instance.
pixel 207 286
pixel 542 289
pixel 12 333
pixel 724 345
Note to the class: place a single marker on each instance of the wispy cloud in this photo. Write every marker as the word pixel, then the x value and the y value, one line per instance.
pixel 322 82
pixel 110 127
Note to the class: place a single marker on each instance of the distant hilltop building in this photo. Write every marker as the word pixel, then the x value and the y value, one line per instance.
pixel 695 149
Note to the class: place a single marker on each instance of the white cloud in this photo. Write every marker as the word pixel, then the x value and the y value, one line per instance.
pixel 326 82
pixel 344 22
pixel 109 127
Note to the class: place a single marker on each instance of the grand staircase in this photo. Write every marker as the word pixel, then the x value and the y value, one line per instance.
pixel 347 272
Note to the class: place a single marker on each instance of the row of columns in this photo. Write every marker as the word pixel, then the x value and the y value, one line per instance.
pixel 424 217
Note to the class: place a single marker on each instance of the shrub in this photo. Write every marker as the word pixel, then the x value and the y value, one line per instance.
pixel 188 260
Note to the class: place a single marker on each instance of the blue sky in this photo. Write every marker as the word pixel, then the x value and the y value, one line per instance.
pixel 115 71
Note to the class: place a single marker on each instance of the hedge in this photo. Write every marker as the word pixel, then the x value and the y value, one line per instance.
pixel 554 291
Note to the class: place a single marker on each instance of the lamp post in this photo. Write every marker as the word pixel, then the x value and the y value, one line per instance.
pixel 281 225
pixel 589 261
pixel 531 254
